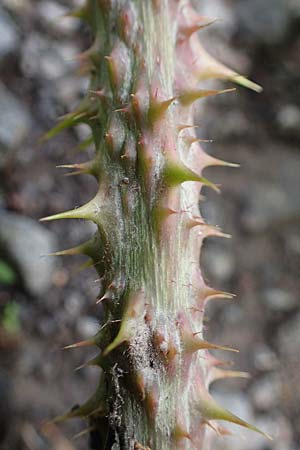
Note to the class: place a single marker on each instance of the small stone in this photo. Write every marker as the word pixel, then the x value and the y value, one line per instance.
pixel 239 404
pixel 265 359
pixel 233 314
pixel 25 240
pixel 87 327
pixel 30 358
pixel 83 132
pixel 8 35
pixel 289 337
pixel 236 402
pixel 278 427
pixel 273 200
pixel 52 65
pixel 55 17
pixel 42 58
pixel 265 392
pixel 219 262
pixel 73 304
pixel 15 122
pixel 219 9
pixel 18 6
pixel 46 326
pixel 69 88
pixel 293 241
pixel 268 205
pixel 288 119
pixel 267 21
pixel 279 300
pixel 235 125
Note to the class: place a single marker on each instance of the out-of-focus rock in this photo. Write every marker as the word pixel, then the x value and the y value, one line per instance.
pixel 269 206
pixel 277 426
pixel 73 305
pixel 273 200
pixel 238 404
pixel 289 337
pixel 87 327
pixel 225 16
pixel 288 118
pixel 273 423
pixel 68 89
pixel 266 391
pixel 55 17
pixel 8 35
pixel 45 59
pixel 278 300
pixel 265 21
pixel 15 122
pixel 265 359
pixel 25 241
pixel 18 6
pixel 219 262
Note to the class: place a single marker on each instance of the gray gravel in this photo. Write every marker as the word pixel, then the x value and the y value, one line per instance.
pixel 259 206
pixel 267 21
pixel 15 122
pixel 9 37
pixel 26 241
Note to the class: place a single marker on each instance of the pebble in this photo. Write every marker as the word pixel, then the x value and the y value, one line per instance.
pixel 278 300
pixel 288 118
pixel 219 262
pixel 68 89
pixel 25 241
pixel 18 6
pixel 47 58
pixel 273 199
pixel 55 17
pixel 87 326
pixel 15 122
pixel 288 337
pixel 224 14
pixel 42 58
pixel 9 38
pixel 265 21
pixel 266 391
pixel 237 403
pixel 73 304
pixel 272 422
pixel 264 358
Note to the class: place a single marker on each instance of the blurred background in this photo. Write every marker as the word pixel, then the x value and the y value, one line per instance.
pixel 46 304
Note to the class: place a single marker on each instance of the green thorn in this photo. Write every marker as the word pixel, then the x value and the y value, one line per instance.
pixel 245 82
pixel 158 109
pixel 95 405
pixel 175 174
pixel 84 144
pixel 188 97
pixel 210 410
pixel 78 250
pixel 125 333
pixel 89 211
pixel 97 361
pixel 69 121
pixel 89 167
pixel 135 309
